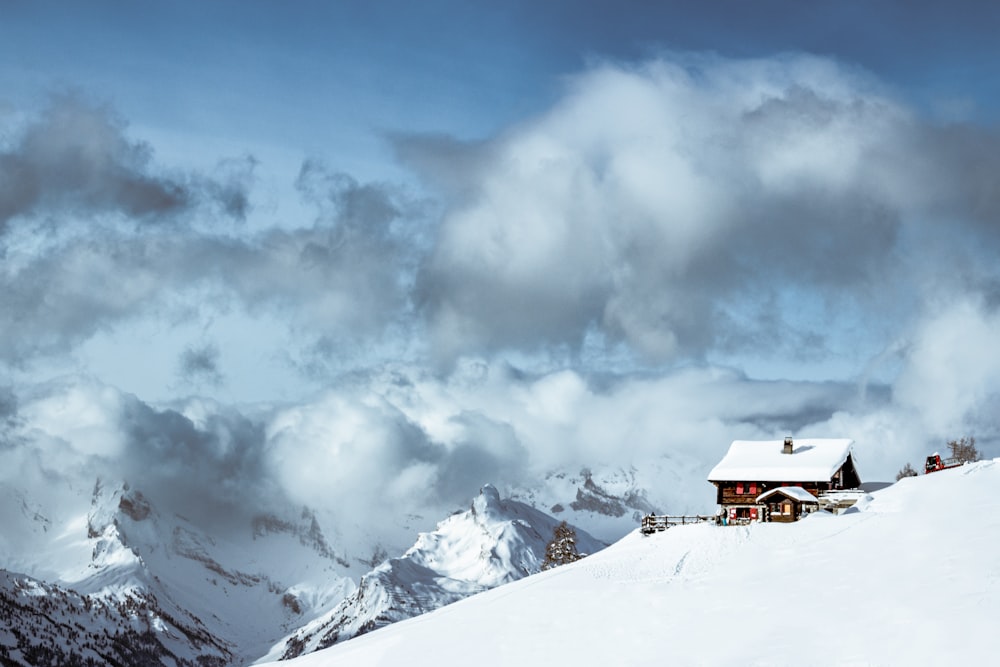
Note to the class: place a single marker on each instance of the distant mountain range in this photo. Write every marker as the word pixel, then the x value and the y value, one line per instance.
pixel 107 578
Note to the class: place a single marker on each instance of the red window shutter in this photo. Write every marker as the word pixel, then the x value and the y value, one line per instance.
pixel 753 488
pixel 753 513
pixel 739 489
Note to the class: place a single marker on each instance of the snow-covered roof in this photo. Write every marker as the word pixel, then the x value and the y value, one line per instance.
pixel 794 492
pixel 811 460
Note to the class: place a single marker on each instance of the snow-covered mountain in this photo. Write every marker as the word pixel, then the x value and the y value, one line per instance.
pixel 46 625
pixel 89 552
pixel 909 576
pixel 494 542
pixel 281 567
pixel 193 586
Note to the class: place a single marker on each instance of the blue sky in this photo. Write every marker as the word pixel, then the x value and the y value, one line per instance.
pixel 311 77
pixel 257 206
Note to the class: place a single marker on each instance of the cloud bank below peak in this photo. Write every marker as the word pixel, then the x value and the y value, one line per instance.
pixel 403 437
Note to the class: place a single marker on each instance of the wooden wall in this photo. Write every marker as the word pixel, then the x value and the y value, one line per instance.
pixel 726 491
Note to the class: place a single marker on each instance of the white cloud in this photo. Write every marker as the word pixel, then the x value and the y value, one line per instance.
pixel 683 210
pixel 82 414
pixel 953 369
pixel 344 451
pixel 700 206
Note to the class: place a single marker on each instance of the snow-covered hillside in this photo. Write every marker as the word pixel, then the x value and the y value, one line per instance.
pixel 912 576
pixel 494 542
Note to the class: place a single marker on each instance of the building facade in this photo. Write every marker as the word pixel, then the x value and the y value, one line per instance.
pixel 751 470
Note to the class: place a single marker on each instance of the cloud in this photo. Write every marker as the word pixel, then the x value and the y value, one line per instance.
pixel 413 438
pixel 200 365
pixel 351 452
pixel 75 160
pixel 8 404
pixel 199 459
pixel 341 278
pixel 685 208
pixel 678 210
pixel 700 205
pixel 391 450
pixel 952 378
pixel 8 416
pixel 82 415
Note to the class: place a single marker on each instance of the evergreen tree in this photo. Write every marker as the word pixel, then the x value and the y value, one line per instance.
pixel 562 549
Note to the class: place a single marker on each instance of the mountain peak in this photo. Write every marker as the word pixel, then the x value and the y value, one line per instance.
pixel 494 542
pixel 487 502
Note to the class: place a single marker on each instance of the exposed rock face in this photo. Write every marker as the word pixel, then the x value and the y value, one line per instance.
pixel 134 505
pixel 307 530
pixel 609 501
pixel 593 498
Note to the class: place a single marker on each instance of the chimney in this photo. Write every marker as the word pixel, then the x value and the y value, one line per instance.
pixel 787 449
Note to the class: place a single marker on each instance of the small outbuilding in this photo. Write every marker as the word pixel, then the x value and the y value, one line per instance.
pixel 787 503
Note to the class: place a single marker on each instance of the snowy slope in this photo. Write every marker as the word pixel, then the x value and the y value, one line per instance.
pixel 911 577
pixel 494 542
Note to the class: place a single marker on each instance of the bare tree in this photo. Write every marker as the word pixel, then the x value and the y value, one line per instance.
pixel 906 471
pixel 964 449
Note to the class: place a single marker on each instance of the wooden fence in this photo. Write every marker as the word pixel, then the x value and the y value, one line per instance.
pixel 652 523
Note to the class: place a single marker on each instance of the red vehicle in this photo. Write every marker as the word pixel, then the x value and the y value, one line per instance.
pixel 935 463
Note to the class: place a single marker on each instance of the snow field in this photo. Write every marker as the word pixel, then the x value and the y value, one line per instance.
pixel 912 577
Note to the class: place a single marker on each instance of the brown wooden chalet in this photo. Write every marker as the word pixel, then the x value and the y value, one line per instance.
pixel 750 472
